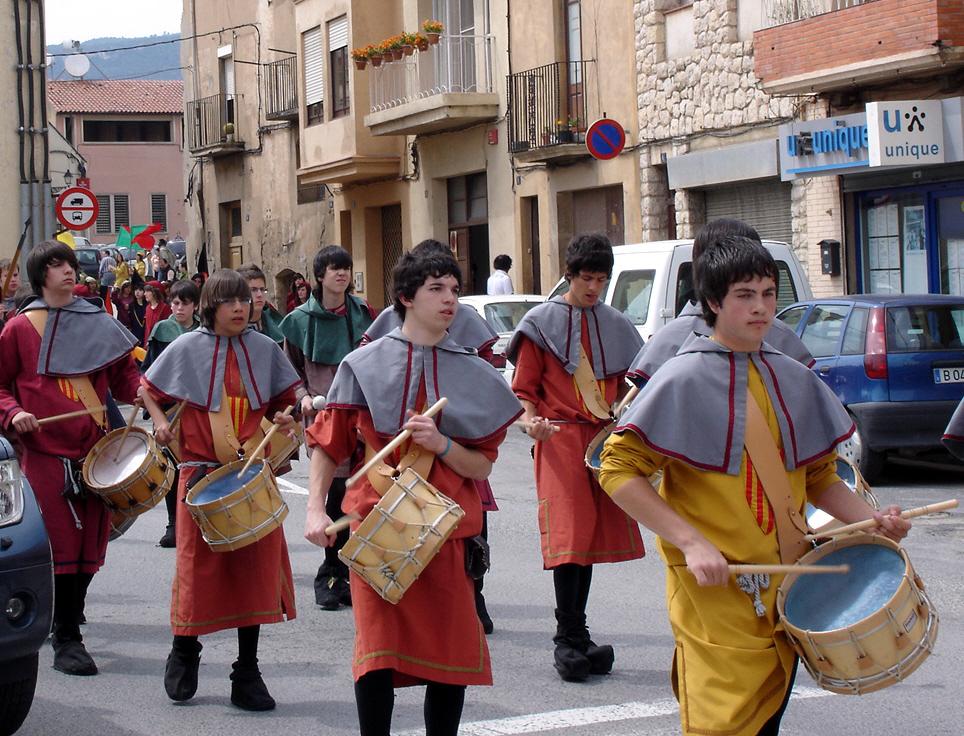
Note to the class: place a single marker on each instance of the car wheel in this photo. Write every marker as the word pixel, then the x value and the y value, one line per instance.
pixel 16 698
pixel 869 462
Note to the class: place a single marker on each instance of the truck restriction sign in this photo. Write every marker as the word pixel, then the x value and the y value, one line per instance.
pixel 77 208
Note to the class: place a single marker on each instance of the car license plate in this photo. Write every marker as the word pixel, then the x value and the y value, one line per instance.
pixel 949 375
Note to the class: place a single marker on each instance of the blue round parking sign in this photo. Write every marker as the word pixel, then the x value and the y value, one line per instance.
pixel 605 139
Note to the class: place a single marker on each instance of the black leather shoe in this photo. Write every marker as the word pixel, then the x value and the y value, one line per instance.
pixel 571 664
pixel 601 658
pixel 248 691
pixel 328 594
pixel 168 541
pixel 71 658
pixel 344 591
pixel 180 673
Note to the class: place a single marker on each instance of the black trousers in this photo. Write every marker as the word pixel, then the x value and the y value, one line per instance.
pixel 375 699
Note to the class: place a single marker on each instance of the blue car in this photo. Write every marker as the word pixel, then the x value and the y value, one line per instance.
pixel 895 361
pixel 26 591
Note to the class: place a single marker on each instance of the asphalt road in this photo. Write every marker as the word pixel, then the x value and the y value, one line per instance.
pixel 306 662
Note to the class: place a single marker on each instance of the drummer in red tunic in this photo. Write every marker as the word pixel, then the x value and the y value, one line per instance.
pixel 571 354
pixel 61 355
pixel 230 377
pixel 432 635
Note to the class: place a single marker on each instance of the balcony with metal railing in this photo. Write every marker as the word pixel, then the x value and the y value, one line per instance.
pixel 549 110
pixel 281 89
pixel 448 86
pixel 212 126
pixel 817 46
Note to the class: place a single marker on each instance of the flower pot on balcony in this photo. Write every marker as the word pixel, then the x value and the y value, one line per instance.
pixel 408 50
pixel 397 54
pixel 422 45
pixel 375 60
pixel 433 38
pixel 360 64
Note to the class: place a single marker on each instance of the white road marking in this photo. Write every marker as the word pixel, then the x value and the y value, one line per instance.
pixel 562 719
pixel 287 485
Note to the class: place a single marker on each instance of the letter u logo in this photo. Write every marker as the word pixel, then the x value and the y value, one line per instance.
pixel 892 127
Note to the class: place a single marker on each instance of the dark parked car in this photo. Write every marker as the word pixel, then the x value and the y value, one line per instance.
pixel 89 260
pixel 895 361
pixel 26 591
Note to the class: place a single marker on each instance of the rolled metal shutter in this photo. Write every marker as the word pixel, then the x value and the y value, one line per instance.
pixel 314 65
pixel 765 205
pixel 338 33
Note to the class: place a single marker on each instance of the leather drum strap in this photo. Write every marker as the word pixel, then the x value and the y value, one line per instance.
pixel 588 388
pixel 382 476
pixel 226 444
pixel 769 467
pixel 80 384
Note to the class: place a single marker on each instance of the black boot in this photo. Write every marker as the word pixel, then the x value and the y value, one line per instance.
pixel 70 654
pixel 248 690
pixel 168 540
pixel 180 673
pixel 487 626
pixel 571 662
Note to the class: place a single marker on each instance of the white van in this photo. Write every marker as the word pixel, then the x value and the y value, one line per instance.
pixel 652 282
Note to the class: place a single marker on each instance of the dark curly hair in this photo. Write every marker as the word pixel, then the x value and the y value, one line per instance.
pixel 733 260
pixel 590 252
pixel 428 259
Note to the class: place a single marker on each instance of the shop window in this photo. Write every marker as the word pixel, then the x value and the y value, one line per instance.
pixel 894 248
pixel 950 224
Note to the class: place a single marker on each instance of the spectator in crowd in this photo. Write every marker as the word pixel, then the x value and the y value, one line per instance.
pixel 157 308
pixel 499 282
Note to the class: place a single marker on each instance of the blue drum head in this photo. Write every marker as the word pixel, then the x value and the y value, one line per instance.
pixel 828 602
pixel 227 484
pixel 595 460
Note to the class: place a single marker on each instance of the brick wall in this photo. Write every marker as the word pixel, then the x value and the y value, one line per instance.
pixel 874 30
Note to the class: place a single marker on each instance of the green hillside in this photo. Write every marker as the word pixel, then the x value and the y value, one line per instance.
pixel 160 61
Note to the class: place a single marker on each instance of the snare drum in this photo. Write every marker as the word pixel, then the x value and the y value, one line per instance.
pixel 864 630
pixel 820 521
pixel 401 535
pixel 119 524
pixel 594 455
pixel 283 447
pixel 234 512
pixel 131 477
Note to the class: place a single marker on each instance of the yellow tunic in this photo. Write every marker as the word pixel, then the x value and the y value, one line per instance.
pixel 731 668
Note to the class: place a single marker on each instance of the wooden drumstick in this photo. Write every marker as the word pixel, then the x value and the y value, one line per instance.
pixel 71 415
pixel 627 400
pixel 869 523
pixel 343 523
pixel 127 431
pixel 176 415
pixel 399 439
pixel 264 443
pixel 779 569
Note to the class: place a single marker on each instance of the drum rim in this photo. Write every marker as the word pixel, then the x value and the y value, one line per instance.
pixel 597 439
pixel 97 451
pixel 230 468
pixel 851 540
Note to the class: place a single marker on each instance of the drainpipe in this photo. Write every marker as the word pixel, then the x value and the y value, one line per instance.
pixel 22 129
pixel 48 214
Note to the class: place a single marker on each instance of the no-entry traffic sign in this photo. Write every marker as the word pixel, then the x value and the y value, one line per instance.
pixel 77 208
pixel 605 139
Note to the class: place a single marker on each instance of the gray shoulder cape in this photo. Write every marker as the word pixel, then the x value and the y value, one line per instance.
pixel 695 411
pixel 953 438
pixel 192 368
pixel 668 339
pixel 468 329
pixel 555 326
pixel 383 377
pixel 79 339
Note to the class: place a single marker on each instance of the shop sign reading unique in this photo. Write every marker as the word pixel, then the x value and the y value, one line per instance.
pixel 830 146
pixel 905 133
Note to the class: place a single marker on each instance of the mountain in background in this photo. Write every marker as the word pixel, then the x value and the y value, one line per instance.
pixel 150 62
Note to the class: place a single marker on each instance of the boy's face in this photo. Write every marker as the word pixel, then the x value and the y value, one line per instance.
pixel 434 305
pixel 183 311
pixel 59 277
pixel 259 297
pixel 746 314
pixel 14 281
pixel 586 288
pixel 335 280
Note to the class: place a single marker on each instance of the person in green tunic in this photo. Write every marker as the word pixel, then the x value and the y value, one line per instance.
pixel 184 301
pixel 264 317
pixel 318 335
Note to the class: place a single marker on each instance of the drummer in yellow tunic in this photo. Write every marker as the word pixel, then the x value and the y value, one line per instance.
pixel 733 666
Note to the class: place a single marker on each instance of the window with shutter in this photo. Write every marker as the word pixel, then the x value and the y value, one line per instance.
pixel 122 216
pixel 103 215
pixel 313 56
pixel 159 210
pixel 338 66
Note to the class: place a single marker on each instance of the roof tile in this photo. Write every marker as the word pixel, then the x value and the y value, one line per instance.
pixel 117 96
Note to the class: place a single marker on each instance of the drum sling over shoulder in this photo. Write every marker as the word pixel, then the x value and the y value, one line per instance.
pixel 588 388
pixel 80 384
pixel 763 452
pixel 227 446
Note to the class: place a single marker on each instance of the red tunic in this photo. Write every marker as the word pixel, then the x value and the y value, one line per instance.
pixel 78 529
pixel 226 590
pixel 153 315
pixel 578 522
pixel 432 634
